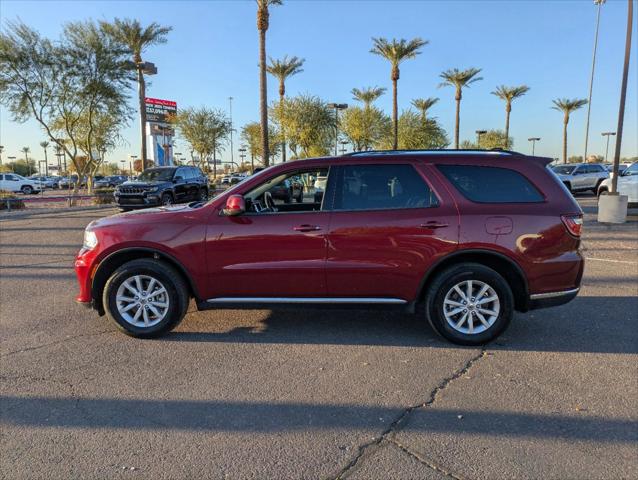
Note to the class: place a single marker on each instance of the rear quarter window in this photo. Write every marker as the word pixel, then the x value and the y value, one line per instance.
pixel 491 184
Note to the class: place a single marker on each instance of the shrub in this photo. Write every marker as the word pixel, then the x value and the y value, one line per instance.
pixel 103 196
pixel 6 197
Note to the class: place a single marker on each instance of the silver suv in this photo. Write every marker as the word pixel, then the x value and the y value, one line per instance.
pixel 579 177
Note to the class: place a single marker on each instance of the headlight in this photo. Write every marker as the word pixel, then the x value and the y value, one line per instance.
pixel 152 189
pixel 90 240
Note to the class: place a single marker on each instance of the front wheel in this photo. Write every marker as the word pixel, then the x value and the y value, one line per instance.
pixel 203 195
pixel 27 189
pixel 469 304
pixel 167 199
pixel 145 298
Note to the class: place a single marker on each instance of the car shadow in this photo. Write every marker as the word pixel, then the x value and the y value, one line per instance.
pixel 588 324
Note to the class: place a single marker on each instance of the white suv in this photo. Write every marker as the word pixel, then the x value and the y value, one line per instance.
pixel 12 182
pixel 627 184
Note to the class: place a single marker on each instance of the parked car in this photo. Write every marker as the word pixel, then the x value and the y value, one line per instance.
pixel 580 177
pixel 71 181
pixel 162 186
pixel 12 182
pixel 627 184
pixel 111 181
pixel 288 190
pixel 233 179
pixel 43 181
pixel 463 239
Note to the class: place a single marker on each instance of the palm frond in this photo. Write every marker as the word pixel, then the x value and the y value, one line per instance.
pixel 510 93
pixel 459 78
pixel 567 106
pixel 397 50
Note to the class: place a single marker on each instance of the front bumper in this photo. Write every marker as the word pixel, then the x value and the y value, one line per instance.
pixel 139 200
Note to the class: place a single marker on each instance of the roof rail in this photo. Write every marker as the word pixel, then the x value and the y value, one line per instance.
pixel 494 151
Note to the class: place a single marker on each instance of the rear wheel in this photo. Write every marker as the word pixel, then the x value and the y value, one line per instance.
pixel 603 191
pixel 469 304
pixel 145 298
pixel 595 189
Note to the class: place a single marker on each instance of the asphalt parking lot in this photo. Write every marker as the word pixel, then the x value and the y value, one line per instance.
pixel 307 394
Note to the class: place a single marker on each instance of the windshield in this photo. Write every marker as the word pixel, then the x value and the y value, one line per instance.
pixel 564 169
pixel 154 174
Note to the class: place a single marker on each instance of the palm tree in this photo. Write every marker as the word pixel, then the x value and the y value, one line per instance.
pixel 395 52
pixel 567 107
pixel 44 145
pixel 367 95
pixel 263 21
pixel 423 105
pixel 26 151
pixel 508 94
pixel 282 69
pixel 137 39
pixel 458 79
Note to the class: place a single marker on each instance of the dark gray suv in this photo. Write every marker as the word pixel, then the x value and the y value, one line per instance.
pixel 162 186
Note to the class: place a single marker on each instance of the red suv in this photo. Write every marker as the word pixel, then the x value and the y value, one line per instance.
pixel 461 238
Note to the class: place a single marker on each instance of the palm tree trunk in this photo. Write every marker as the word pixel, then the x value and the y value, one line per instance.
pixel 458 121
pixel 565 138
pixel 283 131
pixel 507 127
pixel 46 163
pixel 141 87
pixel 395 116
pixel 264 97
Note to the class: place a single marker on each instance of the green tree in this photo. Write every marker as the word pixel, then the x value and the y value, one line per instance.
pixel 282 69
pixel 364 127
pixel 263 22
pixel 414 134
pixel 309 125
pixel 567 106
pixel 367 95
pixel 136 39
pixel 508 94
pixel 459 79
pixel 251 135
pixel 71 81
pixel 206 131
pixel 26 151
pixel 423 105
pixel 396 51
pixel 489 140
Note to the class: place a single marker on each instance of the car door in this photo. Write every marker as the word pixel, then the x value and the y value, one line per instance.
pixel 628 183
pixel 11 182
pixel 180 184
pixel 389 224
pixel 264 254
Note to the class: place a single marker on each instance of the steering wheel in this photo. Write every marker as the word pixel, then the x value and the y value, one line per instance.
pixel 268 202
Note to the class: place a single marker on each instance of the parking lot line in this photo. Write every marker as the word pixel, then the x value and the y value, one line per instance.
pixel 612 261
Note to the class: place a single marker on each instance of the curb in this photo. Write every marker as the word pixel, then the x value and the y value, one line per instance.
pixel 22 213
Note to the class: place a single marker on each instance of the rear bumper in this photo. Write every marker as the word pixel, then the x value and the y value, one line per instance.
pixel 552 299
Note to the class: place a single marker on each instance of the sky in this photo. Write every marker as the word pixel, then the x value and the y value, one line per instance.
pixel 212 54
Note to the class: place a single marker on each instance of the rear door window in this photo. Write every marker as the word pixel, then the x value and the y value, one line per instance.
pixel 491 184
pixel 381 187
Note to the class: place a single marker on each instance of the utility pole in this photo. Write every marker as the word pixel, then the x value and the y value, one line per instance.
pixel 591 78
pixel 607 134
pixel 232 157
pixel 478 137
pixel 533 140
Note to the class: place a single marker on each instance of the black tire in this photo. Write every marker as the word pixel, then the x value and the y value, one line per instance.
pixel 569 186
pixel 26 189
pixel 603 191
pixel 174 284
pixel 166 199
pixel 203 195
pixel 446 280
pixel 299 198
pixel 595 189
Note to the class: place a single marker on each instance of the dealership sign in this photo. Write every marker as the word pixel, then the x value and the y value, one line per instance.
pixel 160 111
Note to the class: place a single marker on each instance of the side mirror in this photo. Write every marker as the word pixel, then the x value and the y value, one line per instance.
pixel 178 178
pixel 235 205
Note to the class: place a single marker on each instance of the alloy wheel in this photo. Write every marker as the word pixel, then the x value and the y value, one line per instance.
pixel 142 301
pixel 471 307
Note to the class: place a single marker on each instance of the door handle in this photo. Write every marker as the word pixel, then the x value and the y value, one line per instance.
pixel 434 224
pixel 306 228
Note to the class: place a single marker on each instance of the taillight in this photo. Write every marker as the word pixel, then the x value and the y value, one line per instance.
pixel 573 223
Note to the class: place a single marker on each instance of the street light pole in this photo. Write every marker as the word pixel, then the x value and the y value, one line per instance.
pixel 478 137
pixel 337 107
pixel 533 140
pixel 232 157
pixel 607 134
pixel 591 78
